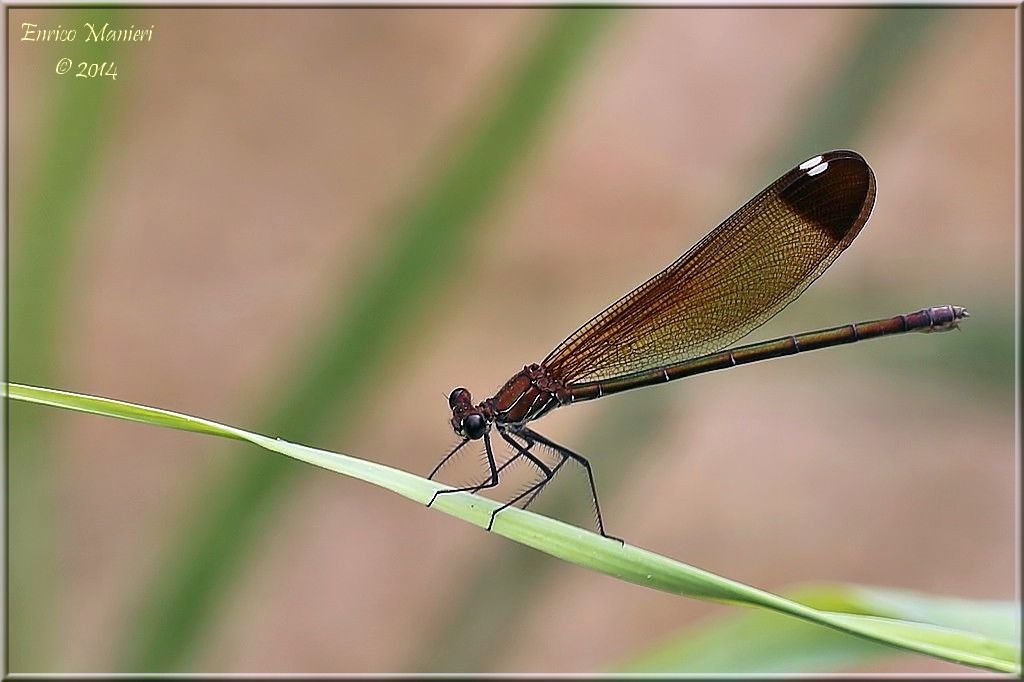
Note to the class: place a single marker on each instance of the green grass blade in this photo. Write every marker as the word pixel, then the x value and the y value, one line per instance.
pixel 764 643
pixel 348 358
pixel 45 214
pixel 845 106
pixel 576 545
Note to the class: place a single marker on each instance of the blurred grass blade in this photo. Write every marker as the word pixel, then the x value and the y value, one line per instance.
pixel 996 618
pixel 838 112
pixel 45 214
pixel 759 642
pixel 577 545
pixel 338 373
pixel 765 643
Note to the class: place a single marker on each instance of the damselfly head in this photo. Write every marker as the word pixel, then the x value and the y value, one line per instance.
pixel 466 419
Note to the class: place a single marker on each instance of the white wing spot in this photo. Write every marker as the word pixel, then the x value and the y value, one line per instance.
pixel 819 169
pixel 810 163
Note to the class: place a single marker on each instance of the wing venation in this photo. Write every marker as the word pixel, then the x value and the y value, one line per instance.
pixel 732 281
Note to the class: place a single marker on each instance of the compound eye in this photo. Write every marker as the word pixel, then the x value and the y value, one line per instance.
pixel 459 395
pixel 474 426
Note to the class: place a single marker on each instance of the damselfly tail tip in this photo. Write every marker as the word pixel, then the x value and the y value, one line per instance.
pixel 943 318
pixel 958 313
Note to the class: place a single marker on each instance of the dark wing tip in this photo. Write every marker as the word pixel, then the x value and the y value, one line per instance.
pixel 833 191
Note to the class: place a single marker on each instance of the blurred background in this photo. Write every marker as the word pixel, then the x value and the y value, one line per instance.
pixel 315 223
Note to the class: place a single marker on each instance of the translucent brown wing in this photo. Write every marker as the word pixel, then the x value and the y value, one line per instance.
pixel 733 280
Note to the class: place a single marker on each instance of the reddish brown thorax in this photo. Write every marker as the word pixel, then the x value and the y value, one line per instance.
pixel 529 394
